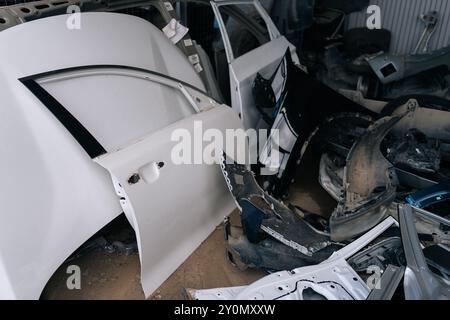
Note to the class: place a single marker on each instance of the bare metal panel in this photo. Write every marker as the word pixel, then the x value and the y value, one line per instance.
pixel 401 17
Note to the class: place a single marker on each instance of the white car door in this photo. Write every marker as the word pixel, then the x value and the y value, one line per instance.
pixel 263 59
pixel 173 208
pixel 113 91
pixel 154 137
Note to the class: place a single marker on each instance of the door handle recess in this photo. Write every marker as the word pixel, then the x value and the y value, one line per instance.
pixel 149 173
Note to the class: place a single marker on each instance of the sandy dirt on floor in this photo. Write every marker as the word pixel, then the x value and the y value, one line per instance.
pixel 115 276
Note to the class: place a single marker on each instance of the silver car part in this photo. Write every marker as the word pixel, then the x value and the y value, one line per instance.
pixel 389 282
pixel 386 252
pixel 333 279
pixel 419 282
pixel 390 68
pixel 434 225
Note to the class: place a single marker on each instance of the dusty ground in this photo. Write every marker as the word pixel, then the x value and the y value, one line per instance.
pixel 116 276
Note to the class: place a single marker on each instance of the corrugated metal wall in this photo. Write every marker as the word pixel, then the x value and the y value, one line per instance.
pixel 401 17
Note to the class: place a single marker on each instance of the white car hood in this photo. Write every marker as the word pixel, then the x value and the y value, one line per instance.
pixel 103 39
pixel 54 196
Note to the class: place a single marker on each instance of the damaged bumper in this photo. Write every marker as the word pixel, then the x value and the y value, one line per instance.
pixel 267 222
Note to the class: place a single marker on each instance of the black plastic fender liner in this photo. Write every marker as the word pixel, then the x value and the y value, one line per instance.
pixel 360 41
pixel 271 255
pixel 251 219
pixel 370 184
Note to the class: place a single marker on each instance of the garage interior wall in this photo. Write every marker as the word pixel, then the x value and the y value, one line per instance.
pixel 401 17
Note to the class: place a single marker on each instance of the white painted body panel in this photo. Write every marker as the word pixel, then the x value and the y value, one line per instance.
pixel 173 208
pixel 243 70
pixel 333 279
pixel 54 197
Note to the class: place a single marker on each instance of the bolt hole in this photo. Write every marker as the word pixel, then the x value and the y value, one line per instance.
pixel 2 21
pixel 25 10
pixel 135 178
pixel 355 279
pixel 161 165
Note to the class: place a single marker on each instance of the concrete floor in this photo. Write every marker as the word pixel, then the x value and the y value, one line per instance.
pixel 115 276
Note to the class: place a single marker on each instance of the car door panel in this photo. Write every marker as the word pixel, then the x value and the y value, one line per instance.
pixel 243 69
pixel 173 208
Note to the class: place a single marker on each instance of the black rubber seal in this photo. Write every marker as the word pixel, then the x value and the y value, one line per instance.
pixel 89 143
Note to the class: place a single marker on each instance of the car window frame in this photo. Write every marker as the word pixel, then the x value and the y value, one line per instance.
pixel 80 133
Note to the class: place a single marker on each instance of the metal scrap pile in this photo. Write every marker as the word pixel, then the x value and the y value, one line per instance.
pixel 385 239
pixel 378 118
pixel 387 169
